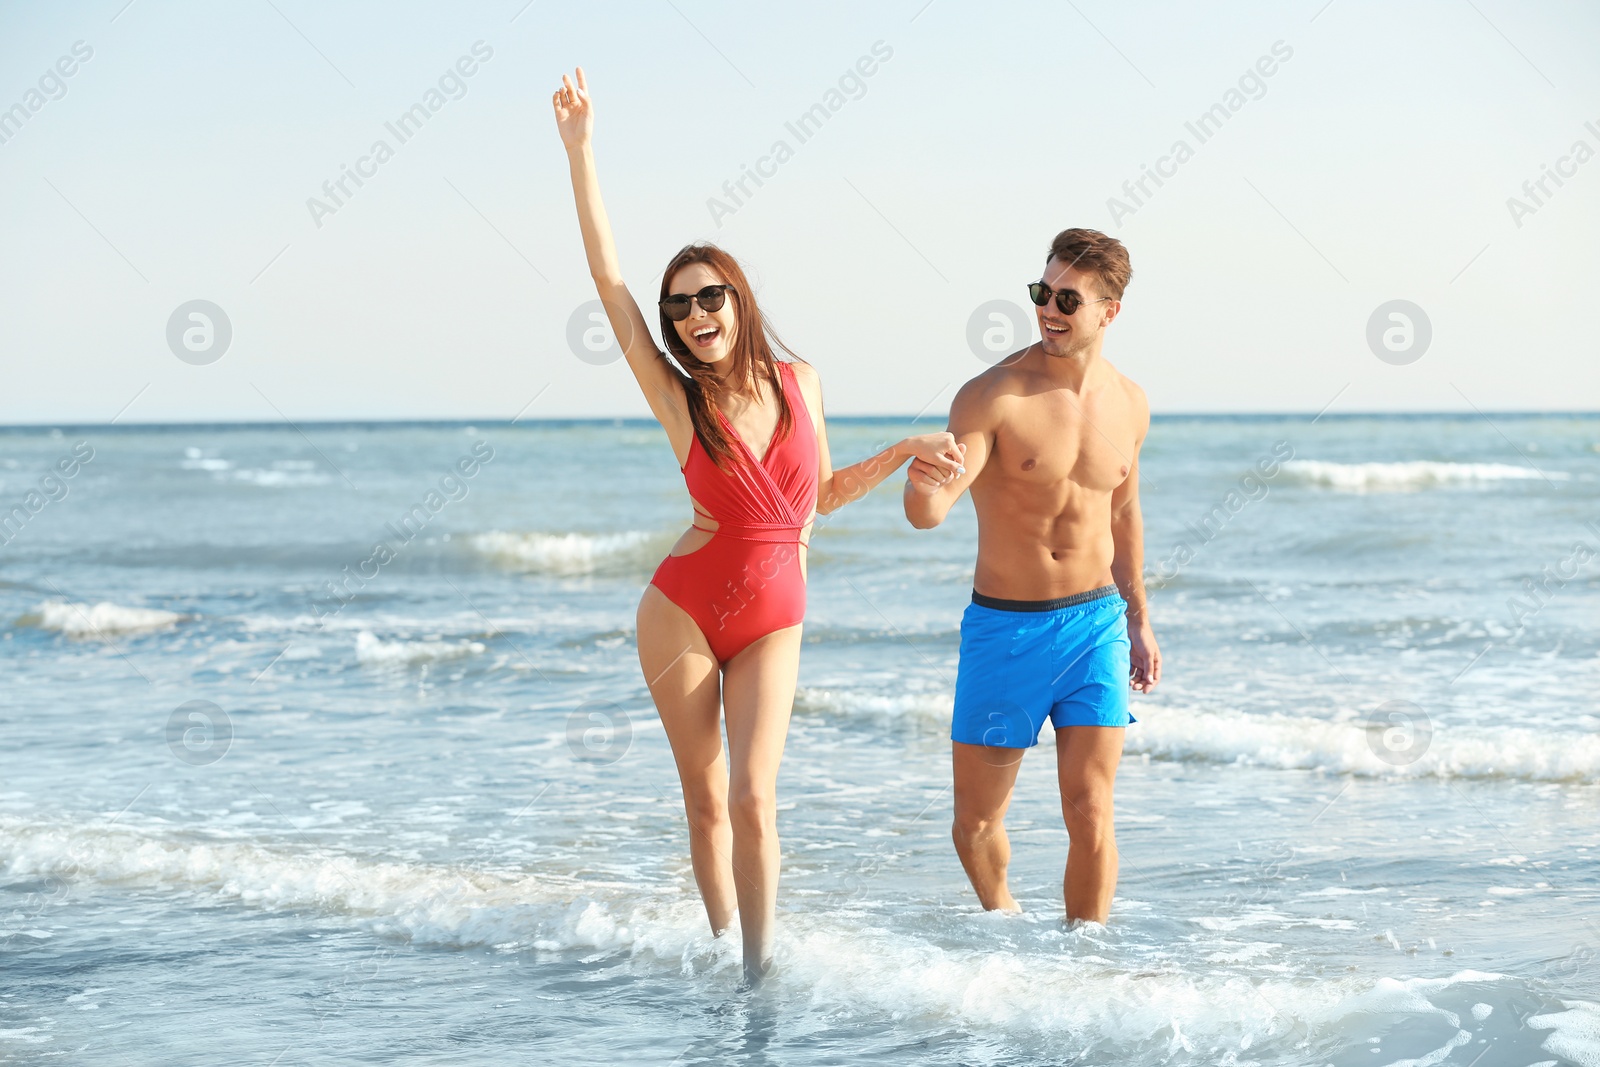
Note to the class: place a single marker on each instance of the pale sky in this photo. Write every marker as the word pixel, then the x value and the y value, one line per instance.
pixel 1374 163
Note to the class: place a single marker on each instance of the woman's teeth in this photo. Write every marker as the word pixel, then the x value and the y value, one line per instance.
pixel 705 335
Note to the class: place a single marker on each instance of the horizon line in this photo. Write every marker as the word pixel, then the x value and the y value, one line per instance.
pixel 647 420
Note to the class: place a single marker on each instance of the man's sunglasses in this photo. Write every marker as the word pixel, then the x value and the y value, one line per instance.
pixel 676 306
pixel 1068 300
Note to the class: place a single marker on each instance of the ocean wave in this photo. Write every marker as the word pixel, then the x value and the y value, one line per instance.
pixel 287 474
pixel 931 706
pixel 1348 747
pixel 1286 742
pixel 1415 474
pixel 280 474
pixel 104 619
pixel 568 553
pixel 433 904
pixel 373 652
pixel 196 459
pixel 1045 981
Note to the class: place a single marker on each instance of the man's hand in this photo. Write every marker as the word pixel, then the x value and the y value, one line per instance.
pixel 938 450
pixel 1144 659
pixel 927 478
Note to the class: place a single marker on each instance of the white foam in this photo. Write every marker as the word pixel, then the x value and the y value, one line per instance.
pixel 1576 1032
pixel 434 904
pixel 564 553
pixel 377 653
pixel 1415 474
pixel 28 1035
pixel 1046 982
pixel 284 475
pixel 104 619
pixel 1344 746
pixel 924 705
pixel 1245 951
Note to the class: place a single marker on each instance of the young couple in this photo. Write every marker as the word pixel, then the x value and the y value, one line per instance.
pixel 1048 442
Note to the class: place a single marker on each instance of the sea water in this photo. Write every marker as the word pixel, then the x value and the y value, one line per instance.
pixel 330 745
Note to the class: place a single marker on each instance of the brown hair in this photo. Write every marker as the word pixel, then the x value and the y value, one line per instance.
pixel 752 356
pixel 1092 251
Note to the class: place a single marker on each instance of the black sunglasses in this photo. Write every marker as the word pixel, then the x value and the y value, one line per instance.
pixel 1068 300
pixel 676 306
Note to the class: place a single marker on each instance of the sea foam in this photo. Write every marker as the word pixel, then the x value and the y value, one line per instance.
pixel 373 652
pixel 1289 742
pixel 567 553
pixel 102 620
pixel 1351 746
pixel 1411 475
pixel 1046 982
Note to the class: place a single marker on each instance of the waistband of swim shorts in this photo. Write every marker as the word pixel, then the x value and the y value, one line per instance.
pixel 1043 605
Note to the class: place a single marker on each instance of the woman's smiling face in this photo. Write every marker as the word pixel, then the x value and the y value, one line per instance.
pixel 708 335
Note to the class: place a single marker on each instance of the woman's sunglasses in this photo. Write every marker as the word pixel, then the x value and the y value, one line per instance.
pixel 1067 300
pixel 676 306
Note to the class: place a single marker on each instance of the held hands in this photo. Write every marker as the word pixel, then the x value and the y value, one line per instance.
pixel 936 461
pixel 574 112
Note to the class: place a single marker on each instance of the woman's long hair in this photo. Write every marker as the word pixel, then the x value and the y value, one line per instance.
pixel 752 356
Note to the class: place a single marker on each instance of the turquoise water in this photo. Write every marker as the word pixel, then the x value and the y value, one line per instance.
pixel 274 794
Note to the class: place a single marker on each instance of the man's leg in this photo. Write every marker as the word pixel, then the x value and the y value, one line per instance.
pixel 1086 763
pixel 984 777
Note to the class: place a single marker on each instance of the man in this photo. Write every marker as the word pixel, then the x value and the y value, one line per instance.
pixel 1058 626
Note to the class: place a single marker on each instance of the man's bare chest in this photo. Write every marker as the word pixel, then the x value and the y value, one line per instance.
pixel 1048 452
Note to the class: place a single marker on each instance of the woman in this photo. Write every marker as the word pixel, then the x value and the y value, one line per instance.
pixel 721 617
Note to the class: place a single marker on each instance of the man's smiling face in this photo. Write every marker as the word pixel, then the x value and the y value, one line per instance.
pixel 1068 335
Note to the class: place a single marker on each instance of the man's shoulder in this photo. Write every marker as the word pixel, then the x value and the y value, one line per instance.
pixel 984 389
pixel 1132 392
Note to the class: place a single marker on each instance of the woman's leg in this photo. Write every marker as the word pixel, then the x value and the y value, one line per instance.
pixel 757 697
pixel 682 674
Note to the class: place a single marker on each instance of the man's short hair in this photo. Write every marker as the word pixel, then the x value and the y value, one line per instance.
pixel 1090 250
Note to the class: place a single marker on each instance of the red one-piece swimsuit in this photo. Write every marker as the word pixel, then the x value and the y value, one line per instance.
pixel 745 582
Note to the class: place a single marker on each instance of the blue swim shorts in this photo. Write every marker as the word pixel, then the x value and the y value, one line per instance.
pixel 1024 661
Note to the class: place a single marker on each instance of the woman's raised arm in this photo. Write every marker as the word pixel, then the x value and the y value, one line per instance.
pixel 663 390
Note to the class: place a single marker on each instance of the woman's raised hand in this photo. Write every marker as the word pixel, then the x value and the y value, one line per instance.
pixel 574 112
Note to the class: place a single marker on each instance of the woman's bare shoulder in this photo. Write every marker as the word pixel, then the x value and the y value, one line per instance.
pixel 804 373
pixel 805 376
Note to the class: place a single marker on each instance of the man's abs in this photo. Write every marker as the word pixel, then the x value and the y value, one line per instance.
pixel 1024 556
